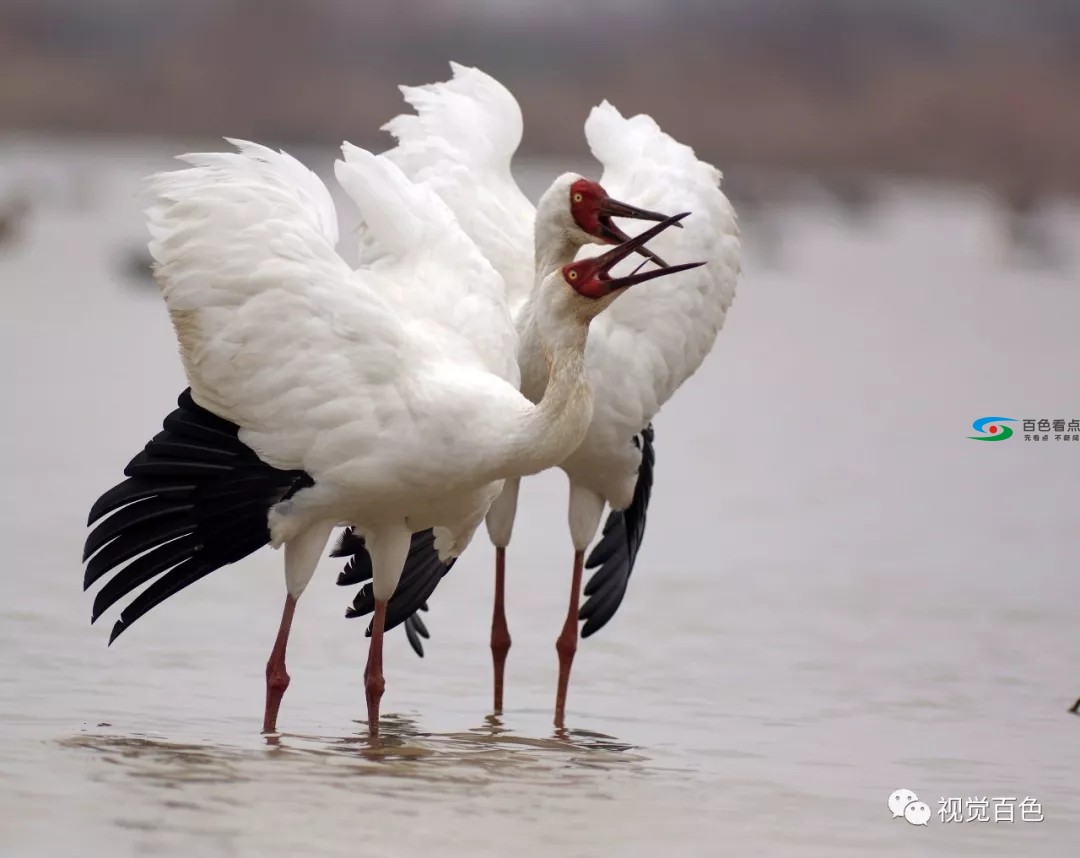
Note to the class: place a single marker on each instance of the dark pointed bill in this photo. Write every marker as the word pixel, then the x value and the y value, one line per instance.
pixel 609 208
pixel 605 262
pixel 633 279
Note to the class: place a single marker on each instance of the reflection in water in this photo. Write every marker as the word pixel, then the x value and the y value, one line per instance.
pixel 488 753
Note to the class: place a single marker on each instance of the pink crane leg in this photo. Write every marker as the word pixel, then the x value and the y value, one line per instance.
pixel 500 631
pixel 566 644
pixel 277 678
pixel 374 683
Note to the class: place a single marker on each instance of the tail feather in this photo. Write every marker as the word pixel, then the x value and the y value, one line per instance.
pixel 195 500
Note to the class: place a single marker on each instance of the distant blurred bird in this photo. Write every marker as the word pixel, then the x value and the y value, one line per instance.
pixel 13 213
pixel 460 144
pixel 386 397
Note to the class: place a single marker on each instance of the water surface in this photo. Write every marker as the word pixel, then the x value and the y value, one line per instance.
pixel 840 594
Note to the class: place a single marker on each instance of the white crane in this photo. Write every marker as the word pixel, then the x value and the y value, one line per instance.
pixel 386 398
pixel 460 144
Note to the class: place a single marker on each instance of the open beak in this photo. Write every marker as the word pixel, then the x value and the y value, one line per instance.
pixel 607 261
pixel 609 208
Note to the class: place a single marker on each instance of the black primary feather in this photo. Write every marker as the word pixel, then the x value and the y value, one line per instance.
pixel 195 500
pixel 618 547
pixel 422 573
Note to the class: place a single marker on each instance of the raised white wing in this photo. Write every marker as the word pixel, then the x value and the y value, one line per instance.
pixel 656 336
pixel 453 300
pixel 272 324
pixel 460 144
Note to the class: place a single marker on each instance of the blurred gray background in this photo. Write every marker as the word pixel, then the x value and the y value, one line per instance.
pixel 977 90
pixel 981 92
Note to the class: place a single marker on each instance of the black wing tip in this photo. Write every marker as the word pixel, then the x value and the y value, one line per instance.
pixel 119 627
pixel 615 554
pixel 590 628
pixel 413 634
pixel 356 572
pixel 349 543
pixel 181 538
pixel 422 573
pixel 96 611
pixel 418 623
pixel 601 608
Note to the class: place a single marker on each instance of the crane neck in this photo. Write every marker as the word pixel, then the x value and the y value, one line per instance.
pixel 553 428
pixel 553 248
pixel 551 353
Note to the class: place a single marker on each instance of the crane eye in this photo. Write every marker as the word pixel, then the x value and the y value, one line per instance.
pixel 572 274
pixel 578 198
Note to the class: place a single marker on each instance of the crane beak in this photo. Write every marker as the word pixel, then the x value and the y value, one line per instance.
pixel 608 260
pixel 623 282
pixel 609 208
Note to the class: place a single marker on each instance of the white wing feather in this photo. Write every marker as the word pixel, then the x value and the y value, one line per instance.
pixel 271 321
pixel 460 144
pixel 464 317
pixel 654 337
pixel 312 360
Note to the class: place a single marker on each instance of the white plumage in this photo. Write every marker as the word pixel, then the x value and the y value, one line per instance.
pixel 385 398
pixel 319 364
pixel 651 342
pixel 460 145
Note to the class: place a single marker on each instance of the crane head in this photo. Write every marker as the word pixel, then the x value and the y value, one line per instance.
pixel 592 209
pixel 591 278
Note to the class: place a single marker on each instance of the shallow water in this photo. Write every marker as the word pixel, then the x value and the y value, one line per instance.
pixel 840 594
